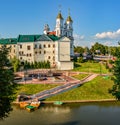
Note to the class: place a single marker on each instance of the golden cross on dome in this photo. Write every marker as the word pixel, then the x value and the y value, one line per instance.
pixel 60 8
pixel 69 11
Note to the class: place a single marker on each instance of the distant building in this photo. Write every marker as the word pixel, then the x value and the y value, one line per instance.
pixel 53 46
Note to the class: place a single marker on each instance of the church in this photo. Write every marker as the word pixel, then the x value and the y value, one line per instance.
pixel 54 46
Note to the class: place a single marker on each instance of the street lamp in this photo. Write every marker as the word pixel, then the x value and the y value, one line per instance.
pixel 100 69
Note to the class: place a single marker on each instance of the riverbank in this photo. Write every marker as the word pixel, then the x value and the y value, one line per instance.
pixel 75 101
pixel 81 101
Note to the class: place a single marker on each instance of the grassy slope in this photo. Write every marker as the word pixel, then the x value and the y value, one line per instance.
pixel 90 67
pixel 80 76
pixel 34 88
pixel 93 90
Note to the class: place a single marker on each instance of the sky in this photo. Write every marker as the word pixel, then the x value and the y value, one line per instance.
pixel 93 20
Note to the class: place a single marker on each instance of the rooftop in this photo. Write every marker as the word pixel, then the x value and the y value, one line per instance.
pixel 29 38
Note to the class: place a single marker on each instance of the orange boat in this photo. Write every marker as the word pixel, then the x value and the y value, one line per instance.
pixel 35 104
pixel 23 104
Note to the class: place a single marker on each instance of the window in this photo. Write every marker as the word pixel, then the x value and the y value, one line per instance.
pixel 40 52
pixel 53 58
pixel 30 54
pixel 35 46
pixel 44 46
pixel 28 47
pixel 48 57
pixel 53 45
pixel 48 45
pixel 40 46
pixel 66 34
pixel 20 46
pixel 44 52
pixel 35 52
pixel 53 51
pixel 20 58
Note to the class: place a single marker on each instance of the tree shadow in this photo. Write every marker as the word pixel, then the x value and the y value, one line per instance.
pixel 76 65
pixel 5 107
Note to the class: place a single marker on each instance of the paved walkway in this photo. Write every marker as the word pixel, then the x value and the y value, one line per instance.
pixel 48 93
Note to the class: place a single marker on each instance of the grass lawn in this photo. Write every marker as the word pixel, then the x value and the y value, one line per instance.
pixel 80 76
pixel 93 90
pixel 34 88
pixel 90 67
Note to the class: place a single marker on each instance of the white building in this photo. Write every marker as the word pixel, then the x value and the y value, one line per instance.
pixel 55 47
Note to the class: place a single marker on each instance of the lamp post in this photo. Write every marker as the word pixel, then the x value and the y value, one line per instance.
pixel 100 69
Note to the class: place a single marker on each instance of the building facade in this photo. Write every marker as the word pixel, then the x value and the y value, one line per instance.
pixel 53 46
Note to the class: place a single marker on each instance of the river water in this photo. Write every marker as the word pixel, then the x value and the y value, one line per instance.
pixel 104 113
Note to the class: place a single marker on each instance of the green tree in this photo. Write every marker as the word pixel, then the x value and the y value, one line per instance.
pixel 79 49
pixel 80 60
pixel 116 78
pixel 32 65
pixel 47 64
pixel 16 64
pixel 7 84
pixel 98 47
pixel 35 65
pixel 87 50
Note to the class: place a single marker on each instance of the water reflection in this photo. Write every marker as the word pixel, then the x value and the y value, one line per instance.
pixel 57 110
pixel 70 114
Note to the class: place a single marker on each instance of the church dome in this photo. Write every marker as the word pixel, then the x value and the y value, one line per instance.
pixel 69 19
pixel 59 16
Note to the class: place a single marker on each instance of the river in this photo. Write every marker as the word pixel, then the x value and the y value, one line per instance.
pixel 102 113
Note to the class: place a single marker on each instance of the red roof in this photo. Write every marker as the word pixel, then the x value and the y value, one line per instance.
pixel 51 33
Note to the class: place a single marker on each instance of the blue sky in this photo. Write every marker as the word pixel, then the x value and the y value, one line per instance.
pixel 93 20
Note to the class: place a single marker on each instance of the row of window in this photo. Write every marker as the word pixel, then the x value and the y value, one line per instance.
pixel 40 46
pixel 49 57
pixel 44 46
pixel 40 52
pixel 22 53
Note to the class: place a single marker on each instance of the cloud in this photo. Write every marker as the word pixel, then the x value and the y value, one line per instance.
pixel 108 35
pixel 78 39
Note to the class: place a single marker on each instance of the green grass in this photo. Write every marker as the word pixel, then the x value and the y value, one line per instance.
pixel 34 88
pixel 93 90
pixel 80 76
pixel 91 67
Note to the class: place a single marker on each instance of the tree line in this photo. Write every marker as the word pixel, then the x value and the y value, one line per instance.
pixel 17 65
pixel 98 48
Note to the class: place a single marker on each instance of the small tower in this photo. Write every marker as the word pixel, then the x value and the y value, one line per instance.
pixel 46 29
pixel 59 25
pixel 69 22
pixel 69 32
